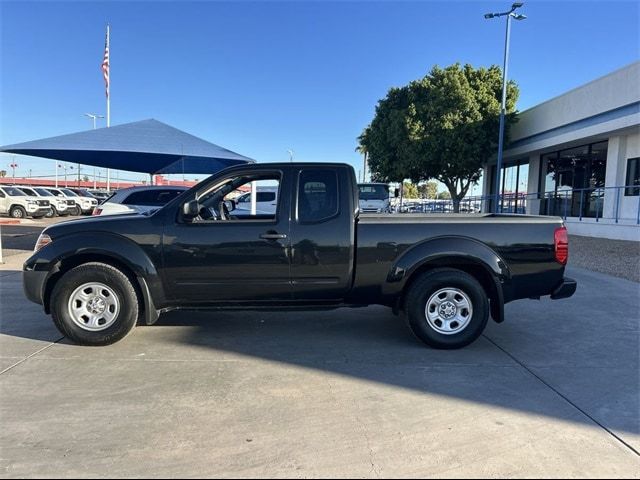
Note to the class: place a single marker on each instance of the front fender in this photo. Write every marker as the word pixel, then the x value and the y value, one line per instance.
pixel 100 246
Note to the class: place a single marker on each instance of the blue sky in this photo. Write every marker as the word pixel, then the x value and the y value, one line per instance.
pixel 264 77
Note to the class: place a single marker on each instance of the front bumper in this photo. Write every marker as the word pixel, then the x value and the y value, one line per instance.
pixel 566 288
pixel 38 211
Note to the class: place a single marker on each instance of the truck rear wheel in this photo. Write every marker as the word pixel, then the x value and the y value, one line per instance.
pixel 94 304
pixel 447 308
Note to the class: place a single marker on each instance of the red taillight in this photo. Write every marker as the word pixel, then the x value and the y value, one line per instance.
pixel 96 211
pixel 561 241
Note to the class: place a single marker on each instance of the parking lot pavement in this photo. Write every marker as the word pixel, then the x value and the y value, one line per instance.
pixel 551 392
pixel 17 239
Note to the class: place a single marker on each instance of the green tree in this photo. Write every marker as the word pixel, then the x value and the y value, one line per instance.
pixel 444 196
pixel 428 190
pixel 362 149
pixel 443 127
pixel 410 190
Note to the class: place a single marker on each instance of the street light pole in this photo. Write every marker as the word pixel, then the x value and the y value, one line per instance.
pixel 503 106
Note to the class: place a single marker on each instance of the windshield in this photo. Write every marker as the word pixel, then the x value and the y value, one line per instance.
pixel 374 192
pixel 14 192
pixel 68 192
pixel 43 192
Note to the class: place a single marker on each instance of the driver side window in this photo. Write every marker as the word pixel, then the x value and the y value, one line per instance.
pixel 242 198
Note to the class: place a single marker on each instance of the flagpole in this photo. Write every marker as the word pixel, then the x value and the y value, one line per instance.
pixel 109 99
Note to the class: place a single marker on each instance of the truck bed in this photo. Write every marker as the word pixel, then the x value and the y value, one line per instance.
pixel 524 243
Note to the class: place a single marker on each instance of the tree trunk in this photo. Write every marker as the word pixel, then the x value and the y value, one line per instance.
pixel 456 197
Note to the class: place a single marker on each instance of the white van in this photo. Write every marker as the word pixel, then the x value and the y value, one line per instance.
pixel 374 198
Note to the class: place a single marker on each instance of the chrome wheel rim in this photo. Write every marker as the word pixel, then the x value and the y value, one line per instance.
pixel 449 311
pixel 17 213
pixel 93 306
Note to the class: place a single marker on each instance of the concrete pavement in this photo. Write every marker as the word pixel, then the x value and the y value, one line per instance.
pixel 551 392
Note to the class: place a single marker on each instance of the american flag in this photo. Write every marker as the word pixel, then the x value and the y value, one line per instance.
pixel 105 63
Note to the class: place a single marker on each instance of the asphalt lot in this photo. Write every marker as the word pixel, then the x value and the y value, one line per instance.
pixel 554 391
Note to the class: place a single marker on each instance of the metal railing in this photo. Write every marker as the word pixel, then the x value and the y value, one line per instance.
pixel 610 203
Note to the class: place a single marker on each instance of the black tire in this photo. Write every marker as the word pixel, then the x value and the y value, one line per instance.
pixel 421 292
pixel 17 212
pixel 52 213
pixel 121 285
pixel 75 211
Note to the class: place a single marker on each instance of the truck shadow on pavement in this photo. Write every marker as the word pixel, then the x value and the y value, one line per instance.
pixel 575 360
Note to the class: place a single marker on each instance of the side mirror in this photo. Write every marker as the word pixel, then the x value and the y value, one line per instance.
pixel 231 205
pixel 191 209
pixel 396 193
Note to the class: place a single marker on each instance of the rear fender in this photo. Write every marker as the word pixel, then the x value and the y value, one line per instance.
pixel 454 252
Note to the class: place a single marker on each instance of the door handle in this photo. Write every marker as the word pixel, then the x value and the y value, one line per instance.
pixel 273 236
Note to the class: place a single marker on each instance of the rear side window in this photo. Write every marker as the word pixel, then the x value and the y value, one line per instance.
pixel 317 195
pixel 151 198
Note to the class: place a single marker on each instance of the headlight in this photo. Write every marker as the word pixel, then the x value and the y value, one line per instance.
pixel 43 240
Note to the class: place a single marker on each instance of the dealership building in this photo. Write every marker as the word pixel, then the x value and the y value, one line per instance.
pixel 578 156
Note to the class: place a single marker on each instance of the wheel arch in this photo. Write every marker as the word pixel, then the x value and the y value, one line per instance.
pixel 17 205
pixel 461 253
pixel 122 254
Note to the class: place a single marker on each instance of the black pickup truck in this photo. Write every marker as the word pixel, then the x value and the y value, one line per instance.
pixel 309 248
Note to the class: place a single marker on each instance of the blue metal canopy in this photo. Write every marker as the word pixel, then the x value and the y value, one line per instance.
pixel 147 146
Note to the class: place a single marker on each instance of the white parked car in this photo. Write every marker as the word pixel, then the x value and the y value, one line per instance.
pixel 58 205
pixel 84 203
pixel 18 204
pixel 138 199
pixel 72 205
pixel 266 202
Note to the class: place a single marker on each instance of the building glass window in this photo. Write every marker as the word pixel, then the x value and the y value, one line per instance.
pixel 633 177
pixel 574 180
pixel 514 180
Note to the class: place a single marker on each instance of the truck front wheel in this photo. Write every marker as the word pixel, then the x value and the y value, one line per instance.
pixel 17 212
pixel 94 304
pixel 447 308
